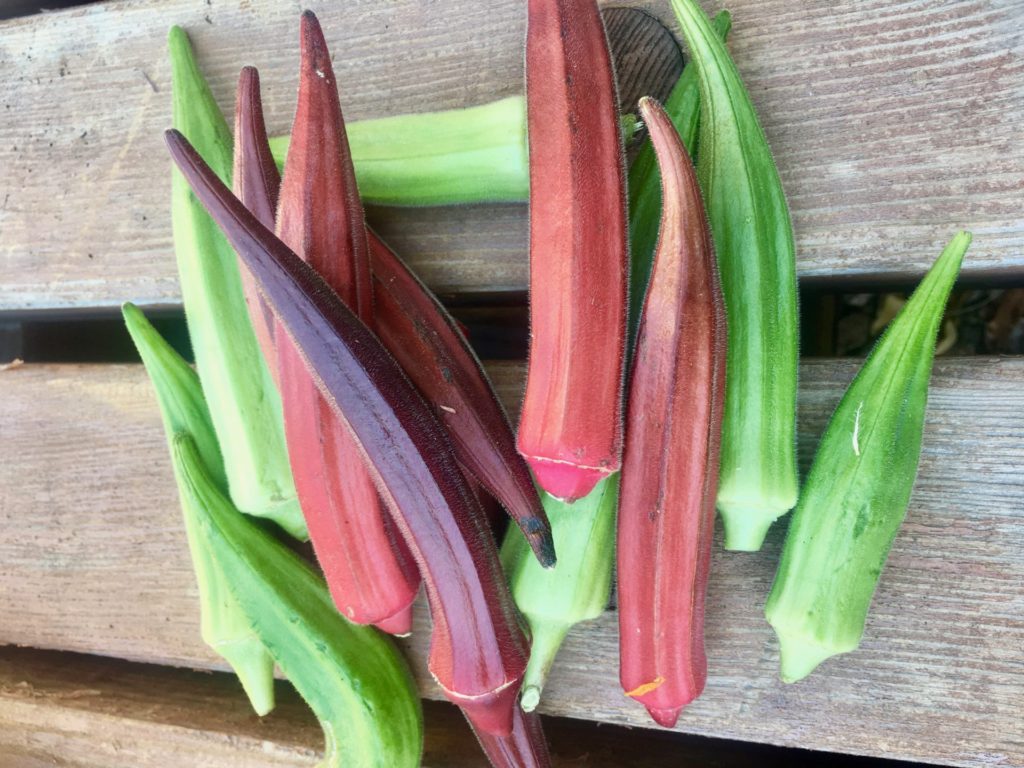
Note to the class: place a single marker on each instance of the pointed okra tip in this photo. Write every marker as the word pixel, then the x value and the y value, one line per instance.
pixel 799 656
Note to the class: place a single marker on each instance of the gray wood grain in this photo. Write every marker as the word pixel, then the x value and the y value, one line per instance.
pixel 93 559
pixel 894 124
pixel 80 711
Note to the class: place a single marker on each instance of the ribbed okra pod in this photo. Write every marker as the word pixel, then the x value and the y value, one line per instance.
pixel 431 349
pixel 670 468
pixel 570 430
pixel 440 158
pixel 683 108
pixel 244 404
pixel 576 589
pixel 256 182
pixel 525 747
pixel 858 488
pixel 753 239
pixel 353 678
pixel 223 623
pixel 478 651
pixel 368 568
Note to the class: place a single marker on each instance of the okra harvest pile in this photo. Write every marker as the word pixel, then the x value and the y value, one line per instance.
pixel 335 397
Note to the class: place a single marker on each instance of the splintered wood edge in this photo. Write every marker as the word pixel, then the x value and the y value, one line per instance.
pixel 94 560
pixel 894 125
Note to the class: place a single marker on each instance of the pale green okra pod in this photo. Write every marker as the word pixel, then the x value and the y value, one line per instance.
pixel 353 677
pixel 753 239
pixel 577 589
pixel 858 488
pixel 223 624
pixel 244 403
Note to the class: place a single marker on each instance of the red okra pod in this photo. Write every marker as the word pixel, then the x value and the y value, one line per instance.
pixel 426 342
pixel 571 426
pixel 478 652
pixel 525 747
pixel 256 182
pixel 370 572
pixel 670 467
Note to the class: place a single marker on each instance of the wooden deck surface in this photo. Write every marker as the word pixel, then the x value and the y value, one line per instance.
pixel 93 559
pixel 894 125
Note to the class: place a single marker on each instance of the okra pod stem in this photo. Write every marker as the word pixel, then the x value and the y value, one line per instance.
pixel 670 467
pixel 478 652
pixel 858 488
pixel 244 404
pixel 223 624
pixel 370 572
pixel 353 678
pixel 570 430
pixel 753 238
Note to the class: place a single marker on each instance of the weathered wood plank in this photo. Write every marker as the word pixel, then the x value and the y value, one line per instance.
pixel 92 712
pixel 893 124
pixel 92 559
pixel 89 712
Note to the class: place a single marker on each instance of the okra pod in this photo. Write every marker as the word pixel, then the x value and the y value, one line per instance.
pixel 670 467
pixel 256 182
pixel 525 747
pixel 478 652
pixel 753 239
pixel 353 678
pixel 244 404
pixel 576 589
pixel 570 431
pixel 370 572
pixel 683 108
pixel 433 352
pixel 440 158
pixel 223 624
pixel 858 488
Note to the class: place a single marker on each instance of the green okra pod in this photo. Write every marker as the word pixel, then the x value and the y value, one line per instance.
pixel 858 488
pixel 352 677
pixel 439 158
pixel 576 589
pixel 753 238
pixel 644 181
pixel 224 625
pixel 244 404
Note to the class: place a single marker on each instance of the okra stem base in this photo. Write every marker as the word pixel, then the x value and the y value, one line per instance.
pixel 547 639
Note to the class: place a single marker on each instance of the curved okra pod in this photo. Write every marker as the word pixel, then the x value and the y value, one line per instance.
pixel 859 485
pixel 370 572
pixel 223 624
pixel 754 241
pixel 683 108
pixel 353 678
pixel 244 403
pixel 431 349
pixel 576 589
pixel 670 466
pixel 256 182
pixel 478 652
pixel 570 430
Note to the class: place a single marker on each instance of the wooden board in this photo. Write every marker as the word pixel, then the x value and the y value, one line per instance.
pixel 894 124
pixel 88 712
pixel 92 559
